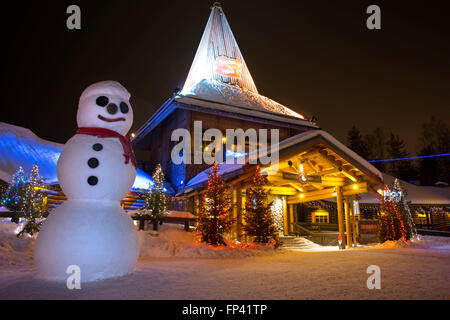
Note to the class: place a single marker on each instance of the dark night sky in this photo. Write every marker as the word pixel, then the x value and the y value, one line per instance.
pixel 316 57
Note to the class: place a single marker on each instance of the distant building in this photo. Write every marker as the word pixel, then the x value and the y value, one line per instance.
pixel 21 147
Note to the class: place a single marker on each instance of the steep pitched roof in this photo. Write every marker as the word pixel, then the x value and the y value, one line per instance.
pixel 220 81
pixel 218 56
pixel 219 72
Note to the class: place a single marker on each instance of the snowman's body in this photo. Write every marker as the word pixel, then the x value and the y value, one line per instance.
pixel 114 177
pixel 90 230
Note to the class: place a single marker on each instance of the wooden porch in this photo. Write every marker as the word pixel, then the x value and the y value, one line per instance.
pixel 311 170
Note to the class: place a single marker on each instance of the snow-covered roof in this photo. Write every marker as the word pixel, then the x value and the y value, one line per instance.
pixel 231 170
pixel 414 194
pixel 219 95
pixel 21 147
pixel 442 191
pixel 339 147
pixel 225 170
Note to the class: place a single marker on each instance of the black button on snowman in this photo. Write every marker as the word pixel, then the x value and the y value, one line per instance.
pixel 96 170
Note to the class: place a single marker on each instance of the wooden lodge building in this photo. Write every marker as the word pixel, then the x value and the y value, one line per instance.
pixel 319 180
pixel 319 188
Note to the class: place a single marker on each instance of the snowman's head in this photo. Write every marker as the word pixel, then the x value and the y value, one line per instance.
pixel 105 104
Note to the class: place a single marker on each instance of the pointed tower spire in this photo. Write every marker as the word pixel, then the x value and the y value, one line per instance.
pixel 218 56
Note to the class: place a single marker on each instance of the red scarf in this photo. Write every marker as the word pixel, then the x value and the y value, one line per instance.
pixel 106 133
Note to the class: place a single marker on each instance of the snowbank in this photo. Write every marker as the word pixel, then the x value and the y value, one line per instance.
pixel 173 241
pixel 13 250
pixel 420 242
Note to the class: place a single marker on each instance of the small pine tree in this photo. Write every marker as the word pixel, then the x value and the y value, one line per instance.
pixel 155 198
pixel 33 207
pixel 399 197
pixel 13 196
pixel 391 226
pixel 214 220
pixel 259 222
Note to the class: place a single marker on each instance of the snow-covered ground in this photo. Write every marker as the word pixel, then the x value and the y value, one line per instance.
pixel 172 267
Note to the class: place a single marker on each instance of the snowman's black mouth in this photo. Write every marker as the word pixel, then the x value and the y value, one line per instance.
pixel 110 119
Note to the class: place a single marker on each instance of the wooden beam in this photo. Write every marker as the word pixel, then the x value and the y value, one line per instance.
pixel 242 178
pixel 348 222
pixel 291 218
pixel 353 221
pixel 340 216
pixel 328 193
pixel 337 164
pixel 285 191
pixel 296 187
pixel 285 217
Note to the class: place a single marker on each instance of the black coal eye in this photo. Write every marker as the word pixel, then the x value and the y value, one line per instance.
pixel 123 107
pixel 102 101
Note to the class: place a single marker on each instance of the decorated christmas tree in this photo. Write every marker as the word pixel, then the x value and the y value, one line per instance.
pixel 34 208
pixel 391 226
pixel 399 197
pixel 214 220
pixel 155 198
pixel 13 196
pixel 259 222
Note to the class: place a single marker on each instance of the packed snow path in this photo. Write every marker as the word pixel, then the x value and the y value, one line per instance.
pixel 405 274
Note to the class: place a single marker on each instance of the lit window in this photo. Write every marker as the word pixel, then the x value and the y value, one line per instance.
pixel 320 217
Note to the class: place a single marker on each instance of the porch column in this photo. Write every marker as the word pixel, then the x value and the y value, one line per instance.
pixel 340 216
pixel 352 213
pixel 348 224
pixel 285 217
pixel 291 217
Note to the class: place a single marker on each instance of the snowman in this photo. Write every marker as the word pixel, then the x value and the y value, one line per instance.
pixel 96 170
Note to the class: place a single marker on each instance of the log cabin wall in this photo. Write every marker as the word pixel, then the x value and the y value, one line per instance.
pixel 222 123
pixel 160 146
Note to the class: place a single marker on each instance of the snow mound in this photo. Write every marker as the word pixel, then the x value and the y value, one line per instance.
pixel 217 91
pixel 419 242
pixel 173 241
pixel 396 244
pixel 13 250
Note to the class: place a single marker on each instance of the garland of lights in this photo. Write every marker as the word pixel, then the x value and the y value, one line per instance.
pixel 391 226
pixel 259 222
pixel 155 199
pixel 215 208
pixel 13 196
